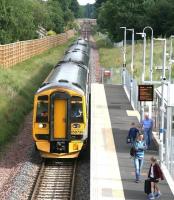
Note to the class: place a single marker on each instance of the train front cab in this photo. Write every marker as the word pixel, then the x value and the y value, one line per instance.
pixel 60 123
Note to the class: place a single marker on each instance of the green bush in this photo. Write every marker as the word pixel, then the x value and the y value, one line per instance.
pixel 50 33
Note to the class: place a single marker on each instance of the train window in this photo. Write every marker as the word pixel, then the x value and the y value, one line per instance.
pixel 76 112
pixel 43 98
pixel 42 112
pixel 76 98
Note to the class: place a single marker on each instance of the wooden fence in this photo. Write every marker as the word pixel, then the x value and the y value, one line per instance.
pixel 11 54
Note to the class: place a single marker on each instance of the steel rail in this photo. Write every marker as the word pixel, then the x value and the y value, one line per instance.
pixel 55 180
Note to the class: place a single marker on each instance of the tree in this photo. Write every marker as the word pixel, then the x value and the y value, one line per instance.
pixel 41 14
pixel 160 17
pixel 137 14
pixel 75 8
pixel 99 3
pixel 115 13
pixel 19 20
pixel 56 15
pixel 13 27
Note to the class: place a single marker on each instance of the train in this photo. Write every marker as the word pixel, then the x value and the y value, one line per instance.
pixel 61 105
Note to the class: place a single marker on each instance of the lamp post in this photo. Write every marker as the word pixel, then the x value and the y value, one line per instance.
pixel 124 56
pixel 143 72
pixel 170 57
pixel 162 108
pixel 132 65
pixel 144 55
pixel 132 61
pixel 150 66
pixel 151 52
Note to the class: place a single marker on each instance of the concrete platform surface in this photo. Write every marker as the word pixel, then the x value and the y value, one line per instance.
pixel 105 179
pixel 121 118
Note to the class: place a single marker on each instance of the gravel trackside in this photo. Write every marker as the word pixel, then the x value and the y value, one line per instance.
pixel 19 165
pixel 94 62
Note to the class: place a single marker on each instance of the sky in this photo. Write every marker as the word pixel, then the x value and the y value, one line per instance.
pixel 84 2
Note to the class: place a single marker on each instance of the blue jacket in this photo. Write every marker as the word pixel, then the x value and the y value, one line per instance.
pixel 140 147
pixel 133 134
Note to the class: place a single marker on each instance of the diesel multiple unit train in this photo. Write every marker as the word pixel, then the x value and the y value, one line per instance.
pixel 61 105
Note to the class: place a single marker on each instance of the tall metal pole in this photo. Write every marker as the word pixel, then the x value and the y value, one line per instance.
pixel 144 57
pixel 162 108
pixel 151 58
pixel 132 60
pixel 151 52
pixel 150 66
pixel 169 129
pixel 143 71
pixel 124 57
pixel 132 65
pixel 170 58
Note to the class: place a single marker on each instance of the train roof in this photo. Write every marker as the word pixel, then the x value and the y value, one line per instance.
pixel 67 74
pixel 79 47
pixel 82 42
pixel 77 56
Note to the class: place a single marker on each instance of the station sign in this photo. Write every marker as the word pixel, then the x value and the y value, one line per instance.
pixel 145 92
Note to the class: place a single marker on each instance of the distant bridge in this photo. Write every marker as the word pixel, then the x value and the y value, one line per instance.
pixel 81 21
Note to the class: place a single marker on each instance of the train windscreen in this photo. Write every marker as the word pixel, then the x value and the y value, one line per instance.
pixel 42 112
pixel 76 112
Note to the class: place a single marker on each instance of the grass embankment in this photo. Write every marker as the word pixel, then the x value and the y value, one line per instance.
pixel 17 87
pixel 112 57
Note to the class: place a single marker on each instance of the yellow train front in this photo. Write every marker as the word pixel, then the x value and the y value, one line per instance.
pixel 61 105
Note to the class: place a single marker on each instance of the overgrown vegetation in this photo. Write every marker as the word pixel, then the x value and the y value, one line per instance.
pixel 20 19
pixel 18 85
pixel 112 57
pixel 112 14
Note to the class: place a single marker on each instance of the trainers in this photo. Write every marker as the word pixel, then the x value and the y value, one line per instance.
pixel 157 195
pixel 151 196
pixel 136 181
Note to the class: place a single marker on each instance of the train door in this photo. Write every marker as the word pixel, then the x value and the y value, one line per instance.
pixel 60 118
pixel 59 122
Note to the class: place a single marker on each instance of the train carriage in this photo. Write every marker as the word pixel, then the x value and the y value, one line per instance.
pixel 60 115
pixel 77 56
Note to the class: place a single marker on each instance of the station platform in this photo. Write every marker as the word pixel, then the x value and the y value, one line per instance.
pixel 112 174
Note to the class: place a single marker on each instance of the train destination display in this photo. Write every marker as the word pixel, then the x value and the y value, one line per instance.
pixel 145 92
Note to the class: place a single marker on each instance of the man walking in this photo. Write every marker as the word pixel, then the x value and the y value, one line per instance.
pixel 147 125
pixel 133 131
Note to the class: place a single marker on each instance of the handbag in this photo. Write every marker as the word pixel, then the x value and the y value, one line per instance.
pixel 128 140
pixel 147 186
pixel 132 151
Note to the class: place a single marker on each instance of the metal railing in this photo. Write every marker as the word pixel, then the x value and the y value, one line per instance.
pixel 168 142
pixel 131 87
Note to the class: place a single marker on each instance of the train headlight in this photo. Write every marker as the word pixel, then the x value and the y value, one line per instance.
pixel 41 125
pixel 76 125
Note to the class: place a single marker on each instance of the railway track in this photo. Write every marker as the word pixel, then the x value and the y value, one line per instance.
pixel 55 180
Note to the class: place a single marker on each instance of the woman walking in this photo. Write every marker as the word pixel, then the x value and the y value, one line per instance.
pixel 154 174
pixel 139 146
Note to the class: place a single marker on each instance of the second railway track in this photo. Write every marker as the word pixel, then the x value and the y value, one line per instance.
pixel 55 180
